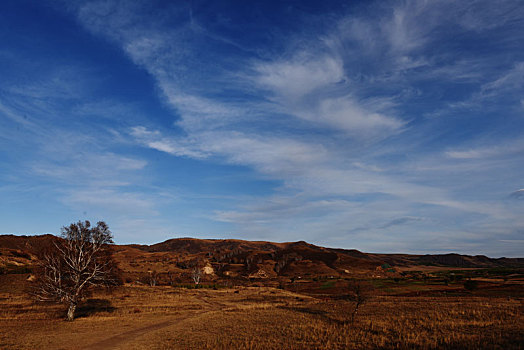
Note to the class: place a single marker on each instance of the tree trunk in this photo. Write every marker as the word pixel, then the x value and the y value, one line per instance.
pixel 71 311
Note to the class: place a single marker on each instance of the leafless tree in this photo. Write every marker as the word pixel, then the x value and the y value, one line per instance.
pixel 152 277
pixel 78 261
pixel 196 275
pixel 171 278
pixel 359 293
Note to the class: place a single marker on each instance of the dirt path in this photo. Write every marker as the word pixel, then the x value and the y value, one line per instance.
pixel 122 338
pixel 112 342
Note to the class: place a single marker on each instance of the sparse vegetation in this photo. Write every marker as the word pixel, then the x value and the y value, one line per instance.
pixel 471 285
pixel 196 275
pixel 153 275
pixel 310 304
pixel 263 318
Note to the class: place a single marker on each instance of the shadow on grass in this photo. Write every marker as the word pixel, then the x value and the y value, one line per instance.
pixel 319 313
pixel 93 306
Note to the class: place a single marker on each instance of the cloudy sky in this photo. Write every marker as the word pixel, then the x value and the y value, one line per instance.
pixel 385 126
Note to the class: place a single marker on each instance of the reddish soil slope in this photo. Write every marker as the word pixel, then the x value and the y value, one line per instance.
pixel 173 261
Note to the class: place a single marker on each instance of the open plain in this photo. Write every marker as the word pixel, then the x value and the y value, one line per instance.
pixel 310 303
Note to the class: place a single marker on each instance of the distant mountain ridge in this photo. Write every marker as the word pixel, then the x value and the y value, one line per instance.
pixel 195 245
pixel 233 258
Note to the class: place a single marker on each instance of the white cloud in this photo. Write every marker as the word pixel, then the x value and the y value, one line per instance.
pixel 7 112
pixel 403 30
pixel 471 154
pixel 485 15
pixel 175 146
pixel 518 194
pixel 295 79
pixel 344 114
pixel 104 201
pixel 199 114
pixel 89 168
pixel 304 86
pixel 495 151
pixel 497 86
pixel 321 117
pixel 510 80
pixel 270 155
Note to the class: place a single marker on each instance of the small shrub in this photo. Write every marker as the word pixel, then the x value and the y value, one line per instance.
pixel 328 284
pixel 20 254
pixel 471 285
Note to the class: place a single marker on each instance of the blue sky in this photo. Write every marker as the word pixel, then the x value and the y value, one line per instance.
pixel 385 126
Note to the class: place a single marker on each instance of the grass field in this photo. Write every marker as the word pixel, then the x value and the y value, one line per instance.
pixel 163 317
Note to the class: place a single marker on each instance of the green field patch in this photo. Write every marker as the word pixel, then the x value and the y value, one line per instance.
pixel 327 284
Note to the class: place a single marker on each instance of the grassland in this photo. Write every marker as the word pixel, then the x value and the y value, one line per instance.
pixel 262 295
pixel 164 317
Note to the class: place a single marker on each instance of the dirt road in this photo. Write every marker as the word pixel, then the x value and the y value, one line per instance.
pixel 118 340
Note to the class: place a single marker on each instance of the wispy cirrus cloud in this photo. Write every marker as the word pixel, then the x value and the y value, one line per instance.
pixel 335 103
pixel 174 146
pixel 104 200
pixel 518 194
pixel 508 148
pixel 300 76
pixel 375 126
pixel 66 163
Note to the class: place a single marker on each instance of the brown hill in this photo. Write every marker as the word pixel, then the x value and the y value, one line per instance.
pixel 172 261
pixel 19 253
pixel 32 244
pixel 450 260
pixel 193 246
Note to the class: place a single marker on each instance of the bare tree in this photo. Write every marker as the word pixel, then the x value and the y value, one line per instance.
pixel 152 277
pixel 196 275
pixel 359 294
pixel 78 261
pixel 171 278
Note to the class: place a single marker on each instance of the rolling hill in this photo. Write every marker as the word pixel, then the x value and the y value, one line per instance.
pixel 172 261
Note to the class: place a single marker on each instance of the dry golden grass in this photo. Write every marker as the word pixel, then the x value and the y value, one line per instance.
pixel 140 317
pixel 384 323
